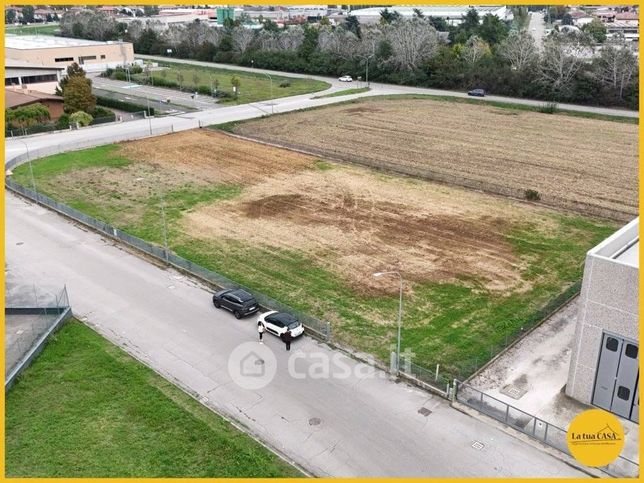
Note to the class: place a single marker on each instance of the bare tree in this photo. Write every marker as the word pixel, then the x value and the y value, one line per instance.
pixel 242 39
pixel 616 66
pixel 412 42
pixel 339 42
pixel 291 38
pixel 475 49
pixel 267 40
pixel 563 56
pixel 519 49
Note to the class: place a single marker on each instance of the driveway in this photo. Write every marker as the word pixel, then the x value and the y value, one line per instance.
pixel 349 420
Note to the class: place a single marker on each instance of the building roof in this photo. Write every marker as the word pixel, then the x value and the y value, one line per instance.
pixel 622 246
pixel 454 11
pixel 14 98
pixel 26 42
pixel 627 16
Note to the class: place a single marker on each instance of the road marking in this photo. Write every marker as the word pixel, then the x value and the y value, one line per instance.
pixel 477 445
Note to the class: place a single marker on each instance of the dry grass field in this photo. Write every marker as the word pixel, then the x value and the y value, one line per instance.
pixel 311 233
pixel 586 165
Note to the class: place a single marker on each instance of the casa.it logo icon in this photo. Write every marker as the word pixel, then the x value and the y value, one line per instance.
pixel 595 438
pixel 252 366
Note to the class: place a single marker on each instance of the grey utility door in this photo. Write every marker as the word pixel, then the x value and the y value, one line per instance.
pixel 607 371
pixel 626 380
pixel 635 413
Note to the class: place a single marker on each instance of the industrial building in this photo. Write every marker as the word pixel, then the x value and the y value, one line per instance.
pixel 19 74
pixel 452 14
pixel 44 50
pixel 604 367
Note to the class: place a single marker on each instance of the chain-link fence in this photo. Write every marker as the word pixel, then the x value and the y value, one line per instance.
pixel 32 313
pixel 532 426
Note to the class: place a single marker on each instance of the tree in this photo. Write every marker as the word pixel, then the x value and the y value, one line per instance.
pixel 325 22
pixel 412 42
pixel 28 14
pixel 418 13
pixel 73 70
pixel 340 42
pixel 387 17
pixel 563 57
pixel 596 29
pixel 352 24
pixel 81 118
pixel 521 18
pixel 493 30
pixel 519 49
pixel 235 82
pixel 439 23
pixel 78 95
pixel 10 16
pixel 475 49
pixel 567 19
pixel 150 10
pixel 242 38
pixel 616 67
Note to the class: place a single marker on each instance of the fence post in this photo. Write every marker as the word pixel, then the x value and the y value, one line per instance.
pixel 507 411
pixel 453 395
pixel 328 330
pixel 437 367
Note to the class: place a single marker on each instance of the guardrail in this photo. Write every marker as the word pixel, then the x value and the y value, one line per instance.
pixel 536 428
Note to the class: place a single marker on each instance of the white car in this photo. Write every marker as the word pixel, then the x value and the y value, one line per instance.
pixel 345 78
pixel 279 322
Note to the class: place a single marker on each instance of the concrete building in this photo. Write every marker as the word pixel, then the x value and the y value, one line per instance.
pixel 45 50
pixel 604 364
pixel 25 75
pixel 452 14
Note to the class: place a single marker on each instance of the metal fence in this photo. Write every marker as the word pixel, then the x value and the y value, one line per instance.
pixel 321 328
pixel 532 426
pixel 31 315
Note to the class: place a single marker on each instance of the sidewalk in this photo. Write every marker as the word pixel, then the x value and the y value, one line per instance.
pixel 532 375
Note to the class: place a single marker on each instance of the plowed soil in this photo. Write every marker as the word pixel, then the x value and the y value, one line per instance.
pixel 585 165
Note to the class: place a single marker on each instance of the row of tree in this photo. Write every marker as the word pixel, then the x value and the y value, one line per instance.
pixel 488 53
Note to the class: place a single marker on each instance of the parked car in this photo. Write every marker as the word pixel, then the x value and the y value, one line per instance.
pixel 345 78
pixel 279 322
pixel 477 93
pixel 239 302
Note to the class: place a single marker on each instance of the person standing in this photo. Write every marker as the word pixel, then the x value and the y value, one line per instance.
pixel 287 337
pixel 260 330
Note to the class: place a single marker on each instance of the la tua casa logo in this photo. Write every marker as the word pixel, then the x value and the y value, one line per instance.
pixel 595 438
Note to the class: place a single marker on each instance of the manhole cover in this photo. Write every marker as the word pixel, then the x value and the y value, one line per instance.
pixel 477 445
pixel 314 421
pixel 20 243
pixel 513 391
pixel 424 411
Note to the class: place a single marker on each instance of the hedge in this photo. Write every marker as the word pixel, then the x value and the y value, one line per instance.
pixel 122 105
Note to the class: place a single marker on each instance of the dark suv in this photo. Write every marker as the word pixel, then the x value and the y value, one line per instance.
pixel 239 302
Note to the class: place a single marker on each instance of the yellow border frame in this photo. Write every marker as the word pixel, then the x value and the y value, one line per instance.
pixel 282 2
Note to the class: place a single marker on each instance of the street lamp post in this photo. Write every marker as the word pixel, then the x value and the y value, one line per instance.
pixel 380 274
pixel 31 168
pixel 270 79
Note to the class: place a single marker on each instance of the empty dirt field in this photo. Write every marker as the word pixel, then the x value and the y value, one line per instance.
pixel 310 233
pixel 585 165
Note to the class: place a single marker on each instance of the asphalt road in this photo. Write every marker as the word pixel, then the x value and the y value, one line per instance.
pixel 537 28
pixel 380 89
pixel 356 423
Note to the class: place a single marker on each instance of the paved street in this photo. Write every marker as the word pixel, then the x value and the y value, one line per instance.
pixel 537 28
pixel 361 424
pixel 380 89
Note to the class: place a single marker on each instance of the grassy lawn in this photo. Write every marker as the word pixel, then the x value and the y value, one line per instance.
pixel 85 408
pixel 36 29
pixel 345 92
pixel 460 324
pixel 253 87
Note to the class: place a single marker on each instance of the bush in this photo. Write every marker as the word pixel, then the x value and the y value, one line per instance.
pixel 63 122
pixel 532 195
pixel 122 105
pixel 223 95
pixel 548 108
pixel 204 90
pixel 136 69
pixel 119 75
pixel 81 118
pixel 108 72
pixel 102 112
pixel 285 83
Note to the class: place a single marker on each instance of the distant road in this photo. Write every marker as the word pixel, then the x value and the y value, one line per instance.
pixel 537 28
pixel 380 88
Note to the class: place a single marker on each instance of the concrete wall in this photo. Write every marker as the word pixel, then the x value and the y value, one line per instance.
pixel 115 54
pixel 608 303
